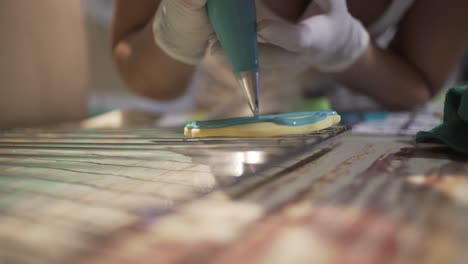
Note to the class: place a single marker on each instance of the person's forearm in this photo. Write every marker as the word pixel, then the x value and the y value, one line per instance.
pixel 387 78
pixel 147 69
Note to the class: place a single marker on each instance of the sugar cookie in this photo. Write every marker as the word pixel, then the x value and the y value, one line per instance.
pixel 264 126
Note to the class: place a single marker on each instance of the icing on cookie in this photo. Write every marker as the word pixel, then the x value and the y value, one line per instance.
pixel 288 119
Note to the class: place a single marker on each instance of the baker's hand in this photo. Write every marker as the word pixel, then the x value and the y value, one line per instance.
pixel 330 41
pixel 181 28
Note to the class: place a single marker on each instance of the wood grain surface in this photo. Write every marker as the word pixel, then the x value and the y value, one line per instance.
pixel 141 195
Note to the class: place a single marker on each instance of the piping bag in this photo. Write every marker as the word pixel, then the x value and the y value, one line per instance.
pixel 235 24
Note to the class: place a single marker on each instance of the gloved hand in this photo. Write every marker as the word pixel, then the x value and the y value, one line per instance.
pixel 330 41
pixel 181 28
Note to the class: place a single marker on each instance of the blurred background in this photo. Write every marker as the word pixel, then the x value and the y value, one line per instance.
pixel 55 64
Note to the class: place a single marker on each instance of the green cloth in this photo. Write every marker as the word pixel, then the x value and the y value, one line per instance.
pixel 453 132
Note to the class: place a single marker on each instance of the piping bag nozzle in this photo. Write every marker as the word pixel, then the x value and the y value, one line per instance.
pixel 235 24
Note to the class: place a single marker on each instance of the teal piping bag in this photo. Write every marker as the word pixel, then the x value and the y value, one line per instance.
pixel 235 24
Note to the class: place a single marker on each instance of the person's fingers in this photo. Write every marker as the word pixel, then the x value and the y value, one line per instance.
pixel 294 38
pixel 213 37
pixel 181 28
pixel 191 4
pixel 187 17
pixel 216 49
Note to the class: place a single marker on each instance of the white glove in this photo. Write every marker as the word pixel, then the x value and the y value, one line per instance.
pixel 181 28
pixel 330 41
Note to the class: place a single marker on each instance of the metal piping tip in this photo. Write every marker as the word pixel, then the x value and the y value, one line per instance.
pixel 249 82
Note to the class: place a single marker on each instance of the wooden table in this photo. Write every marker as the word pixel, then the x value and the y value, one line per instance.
pixel 108 196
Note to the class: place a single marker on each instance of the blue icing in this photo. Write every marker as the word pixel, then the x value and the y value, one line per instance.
pixel 288 119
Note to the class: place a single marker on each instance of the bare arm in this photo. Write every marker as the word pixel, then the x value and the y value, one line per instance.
pixel 146 69
pixel 429 44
